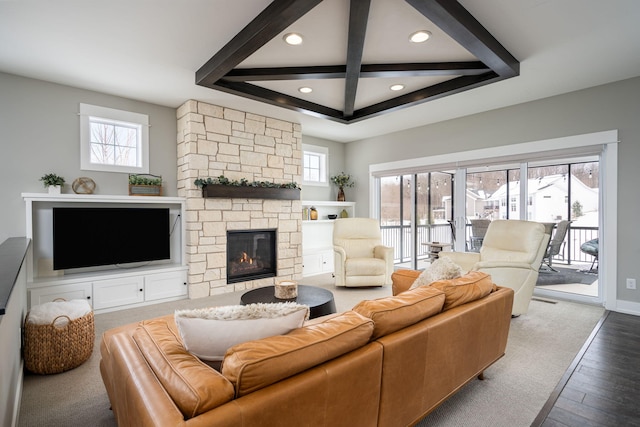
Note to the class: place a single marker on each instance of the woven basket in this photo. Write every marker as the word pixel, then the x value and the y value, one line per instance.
pixel 51 349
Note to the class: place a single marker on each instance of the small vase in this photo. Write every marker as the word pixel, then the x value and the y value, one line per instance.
pixel 341 194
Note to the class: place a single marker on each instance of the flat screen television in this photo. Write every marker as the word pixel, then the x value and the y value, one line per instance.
pixel 91 237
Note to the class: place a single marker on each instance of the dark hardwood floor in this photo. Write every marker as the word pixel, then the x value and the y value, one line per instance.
pixel 602 385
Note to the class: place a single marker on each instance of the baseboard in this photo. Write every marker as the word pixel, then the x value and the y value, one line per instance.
pixel 16 403
pixel 627 307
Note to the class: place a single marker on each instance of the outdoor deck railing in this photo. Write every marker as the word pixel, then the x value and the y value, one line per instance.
pixel 399 238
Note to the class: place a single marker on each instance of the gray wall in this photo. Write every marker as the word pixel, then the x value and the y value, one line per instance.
pixel 607 107
pixel 40 133
pixel 336 165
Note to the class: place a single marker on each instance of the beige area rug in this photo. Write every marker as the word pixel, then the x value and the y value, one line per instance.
pixel 541 346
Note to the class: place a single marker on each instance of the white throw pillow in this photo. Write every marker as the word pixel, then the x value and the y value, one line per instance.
pixel 209 332
pixel 440 269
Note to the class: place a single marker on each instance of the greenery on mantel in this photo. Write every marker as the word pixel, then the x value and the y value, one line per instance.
pixel 51 179
pixel 145 179
pixel 222 187
pixel 222 180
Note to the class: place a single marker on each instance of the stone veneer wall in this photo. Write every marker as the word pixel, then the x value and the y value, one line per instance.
pixel 214 141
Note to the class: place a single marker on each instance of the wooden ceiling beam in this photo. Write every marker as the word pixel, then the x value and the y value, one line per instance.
pixel 358 17
pixel 493 62
pixel 423 69
pixel 366 70
pixel 261 94
pixel 279 15
pixel 459 24
pixel 430 93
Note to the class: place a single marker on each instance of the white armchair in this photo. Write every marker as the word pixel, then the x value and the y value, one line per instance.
pixel 360 259
pixel 511 253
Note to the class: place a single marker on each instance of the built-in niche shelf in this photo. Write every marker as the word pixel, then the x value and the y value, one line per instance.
pixel 106 288
pixel 317 235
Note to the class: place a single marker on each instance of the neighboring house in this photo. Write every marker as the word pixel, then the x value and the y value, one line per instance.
pixel 477 204
pixel 548 198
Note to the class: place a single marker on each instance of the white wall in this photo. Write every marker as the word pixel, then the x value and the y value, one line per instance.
pixel 607 107
pixel 336 165
pixel 40 133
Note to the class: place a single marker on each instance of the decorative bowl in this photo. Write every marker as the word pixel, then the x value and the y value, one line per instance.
pixel 332 216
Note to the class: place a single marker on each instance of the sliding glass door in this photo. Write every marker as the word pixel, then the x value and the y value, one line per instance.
pixel 418 208
pixel 415 209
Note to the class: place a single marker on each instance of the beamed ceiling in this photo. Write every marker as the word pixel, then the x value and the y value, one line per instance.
pixel 353 51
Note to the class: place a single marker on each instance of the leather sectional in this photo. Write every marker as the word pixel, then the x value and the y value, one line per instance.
pixel 387 362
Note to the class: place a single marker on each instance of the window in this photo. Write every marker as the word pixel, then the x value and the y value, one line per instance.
pixel 113 140
pixel 314 168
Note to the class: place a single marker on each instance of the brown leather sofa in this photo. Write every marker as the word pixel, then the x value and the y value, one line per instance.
pixel 387 362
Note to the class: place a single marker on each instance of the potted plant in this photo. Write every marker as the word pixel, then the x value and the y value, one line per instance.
pixel 342 180
pixel 145 185
pixel 53 183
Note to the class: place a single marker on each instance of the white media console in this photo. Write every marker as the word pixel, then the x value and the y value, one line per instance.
pixel 106 288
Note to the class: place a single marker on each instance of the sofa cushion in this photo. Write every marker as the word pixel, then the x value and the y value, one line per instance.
pixel 254 365
pixel 194 387
pixel 393 313
pixel 209 332
pixel 470 287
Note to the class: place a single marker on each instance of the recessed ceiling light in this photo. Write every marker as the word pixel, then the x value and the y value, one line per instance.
pixel 396 87
pixel 305 89
pixel 420 36
pixel 293 39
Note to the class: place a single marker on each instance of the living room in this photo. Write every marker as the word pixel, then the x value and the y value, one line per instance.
pixel 39 119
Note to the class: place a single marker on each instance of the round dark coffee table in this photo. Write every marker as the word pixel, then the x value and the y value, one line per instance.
pixel 320 301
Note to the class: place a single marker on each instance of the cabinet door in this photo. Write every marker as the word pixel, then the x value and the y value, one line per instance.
pixel 165 285
pixel 115 292
pixel 67 292
pixel 311 264
pixel 327 262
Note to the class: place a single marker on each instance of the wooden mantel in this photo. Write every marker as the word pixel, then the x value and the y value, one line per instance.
pixel 244 192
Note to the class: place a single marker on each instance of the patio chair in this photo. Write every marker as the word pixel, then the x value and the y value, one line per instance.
pixel 591 247
pixel 556 244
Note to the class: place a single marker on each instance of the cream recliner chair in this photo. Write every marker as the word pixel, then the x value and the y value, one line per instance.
pixel 511 253
pixel 360 259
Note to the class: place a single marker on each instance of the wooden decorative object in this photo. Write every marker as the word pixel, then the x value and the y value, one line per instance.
pixel 83 185
pixel 145 185
pixel 231 191
pixel 286 290
pixel 145 190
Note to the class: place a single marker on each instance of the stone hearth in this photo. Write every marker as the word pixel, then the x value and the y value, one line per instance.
pixel 214 141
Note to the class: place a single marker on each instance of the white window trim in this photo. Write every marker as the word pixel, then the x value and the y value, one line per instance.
pixel 87 111
pixel 320 150
pixel 604 143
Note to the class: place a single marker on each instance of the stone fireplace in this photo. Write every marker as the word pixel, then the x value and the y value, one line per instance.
pixel 214 141
pixel 251 255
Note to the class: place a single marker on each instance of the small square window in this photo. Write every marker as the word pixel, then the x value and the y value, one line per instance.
pixel 314 165
pixel 113 140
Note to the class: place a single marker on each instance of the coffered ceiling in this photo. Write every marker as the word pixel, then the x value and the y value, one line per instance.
pixel 364 61
pixel 153 51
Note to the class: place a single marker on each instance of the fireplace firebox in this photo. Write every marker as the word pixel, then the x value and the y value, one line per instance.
pixel 251 255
